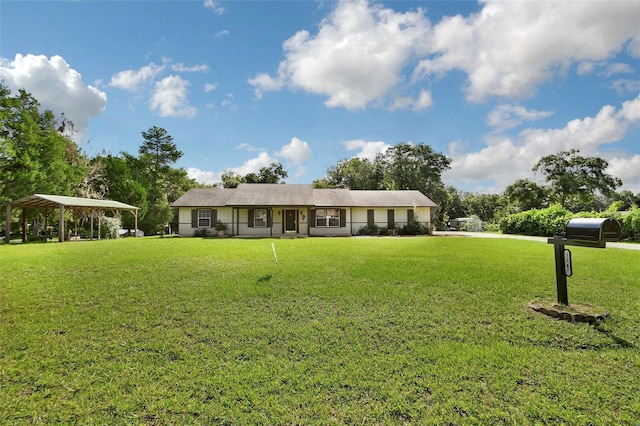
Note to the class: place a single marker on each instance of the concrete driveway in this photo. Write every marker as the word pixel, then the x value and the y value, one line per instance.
pixel 626 246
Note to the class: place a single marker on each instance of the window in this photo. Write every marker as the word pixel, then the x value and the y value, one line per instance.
pixel 204 218
pixel 328 217
pixel 260 218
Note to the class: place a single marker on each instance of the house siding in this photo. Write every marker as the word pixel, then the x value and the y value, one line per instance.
pixel 185 226
pixel 380 217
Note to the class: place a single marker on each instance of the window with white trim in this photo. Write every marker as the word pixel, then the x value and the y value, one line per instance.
pixel 204 218
pixel 260 218
pixel 328 218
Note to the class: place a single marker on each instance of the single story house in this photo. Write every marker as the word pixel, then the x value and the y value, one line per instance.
pixel 272 210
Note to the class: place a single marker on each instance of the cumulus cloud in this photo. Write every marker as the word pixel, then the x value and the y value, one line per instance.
pixel 170 98
pixel 203 176
pixel 297 151
pixel 354 59
pixel 132 80
pixel 254 165
pixel 366 149
pixel 507 116
pixel 509 48
pixel 505 160
pixel 56 86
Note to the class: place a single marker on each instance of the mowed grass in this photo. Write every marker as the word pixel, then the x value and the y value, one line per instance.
pixel 425 330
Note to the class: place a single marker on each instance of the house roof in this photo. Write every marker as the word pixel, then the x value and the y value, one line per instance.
pixel 54 201
pixel 200 197
pixel 264 195
pixel 407 198
pixel 332 197
pixel 271 194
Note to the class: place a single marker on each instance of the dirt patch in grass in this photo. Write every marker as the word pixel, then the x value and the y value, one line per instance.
pixel 574 312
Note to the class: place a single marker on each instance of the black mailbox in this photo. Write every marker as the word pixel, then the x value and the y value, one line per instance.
pixel 581 232
pixel 593 229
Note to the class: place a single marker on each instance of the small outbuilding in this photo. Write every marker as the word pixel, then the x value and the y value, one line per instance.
pixel 63 203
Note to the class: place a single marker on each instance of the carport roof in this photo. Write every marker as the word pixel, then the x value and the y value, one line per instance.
pixel 55 201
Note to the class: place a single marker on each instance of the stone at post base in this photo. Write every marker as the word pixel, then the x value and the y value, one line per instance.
pixel 574 312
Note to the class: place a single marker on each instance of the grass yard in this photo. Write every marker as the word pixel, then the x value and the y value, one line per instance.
pixel 428 330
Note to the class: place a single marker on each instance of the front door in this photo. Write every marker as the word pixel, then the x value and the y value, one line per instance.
pixel 290 222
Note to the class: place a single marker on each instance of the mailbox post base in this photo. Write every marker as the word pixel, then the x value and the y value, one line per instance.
pixel 561 277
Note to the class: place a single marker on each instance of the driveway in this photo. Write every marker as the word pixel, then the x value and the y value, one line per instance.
pixel 627 246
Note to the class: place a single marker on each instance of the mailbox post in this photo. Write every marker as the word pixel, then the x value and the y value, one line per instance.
pixel 580 232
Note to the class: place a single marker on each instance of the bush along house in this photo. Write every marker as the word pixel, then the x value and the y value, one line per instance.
pixel 275 210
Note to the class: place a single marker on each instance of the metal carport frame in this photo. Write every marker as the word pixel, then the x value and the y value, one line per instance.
pixel 62 202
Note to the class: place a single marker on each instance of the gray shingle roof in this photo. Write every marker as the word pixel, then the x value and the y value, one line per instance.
pixel 263 195
pixel 272 194
pixel 204 197
pixel 408 198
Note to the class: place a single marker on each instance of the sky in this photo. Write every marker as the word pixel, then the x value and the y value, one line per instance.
pixel 494 85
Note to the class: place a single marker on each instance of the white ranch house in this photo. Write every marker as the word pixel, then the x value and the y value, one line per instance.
pixel 274 210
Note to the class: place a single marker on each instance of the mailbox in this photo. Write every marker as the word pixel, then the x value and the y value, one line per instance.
pixel 593 229
pixel 581 232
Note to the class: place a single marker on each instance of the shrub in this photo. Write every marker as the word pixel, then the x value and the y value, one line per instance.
pixel 369 230
pixel 544 223
pixel 200 232
pixel 110 227
pixel 413 228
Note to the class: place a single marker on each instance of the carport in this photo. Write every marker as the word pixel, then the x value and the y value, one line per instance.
pixel 63 203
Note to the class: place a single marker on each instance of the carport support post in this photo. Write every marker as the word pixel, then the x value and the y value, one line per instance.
pixel 561 277
pixel 61 225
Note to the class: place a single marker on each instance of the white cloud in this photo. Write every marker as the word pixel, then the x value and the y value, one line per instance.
pixel 180 67
pixel 423 102
pixel 132 80
pixel 627 169
pixel 354 59
pixel 254 165
pixel 509 48
pixel 265 83
pixel 214 6
pixel 505 160
pixel 203 176
pixel 367 149
pixel 56 86
pixel 298 151
pixel 170 98
pixel 507 116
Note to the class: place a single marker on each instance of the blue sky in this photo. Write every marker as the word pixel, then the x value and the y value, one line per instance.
pixel 240 84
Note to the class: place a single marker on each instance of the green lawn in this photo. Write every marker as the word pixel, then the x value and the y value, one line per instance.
pixel 427 330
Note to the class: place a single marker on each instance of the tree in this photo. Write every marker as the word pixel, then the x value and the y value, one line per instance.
pixel 576 180
pixel 354 173
pixel 153 169
pixel 120 184
pixel 35 157
pixel 455 205
pixel 268 174
pixel 408 166
pixel 158 153
pixel 272 174
pixel 524 195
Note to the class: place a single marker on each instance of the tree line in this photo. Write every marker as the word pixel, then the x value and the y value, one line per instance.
pixel 38 155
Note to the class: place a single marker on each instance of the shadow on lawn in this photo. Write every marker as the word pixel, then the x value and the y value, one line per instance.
pixel 616 339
